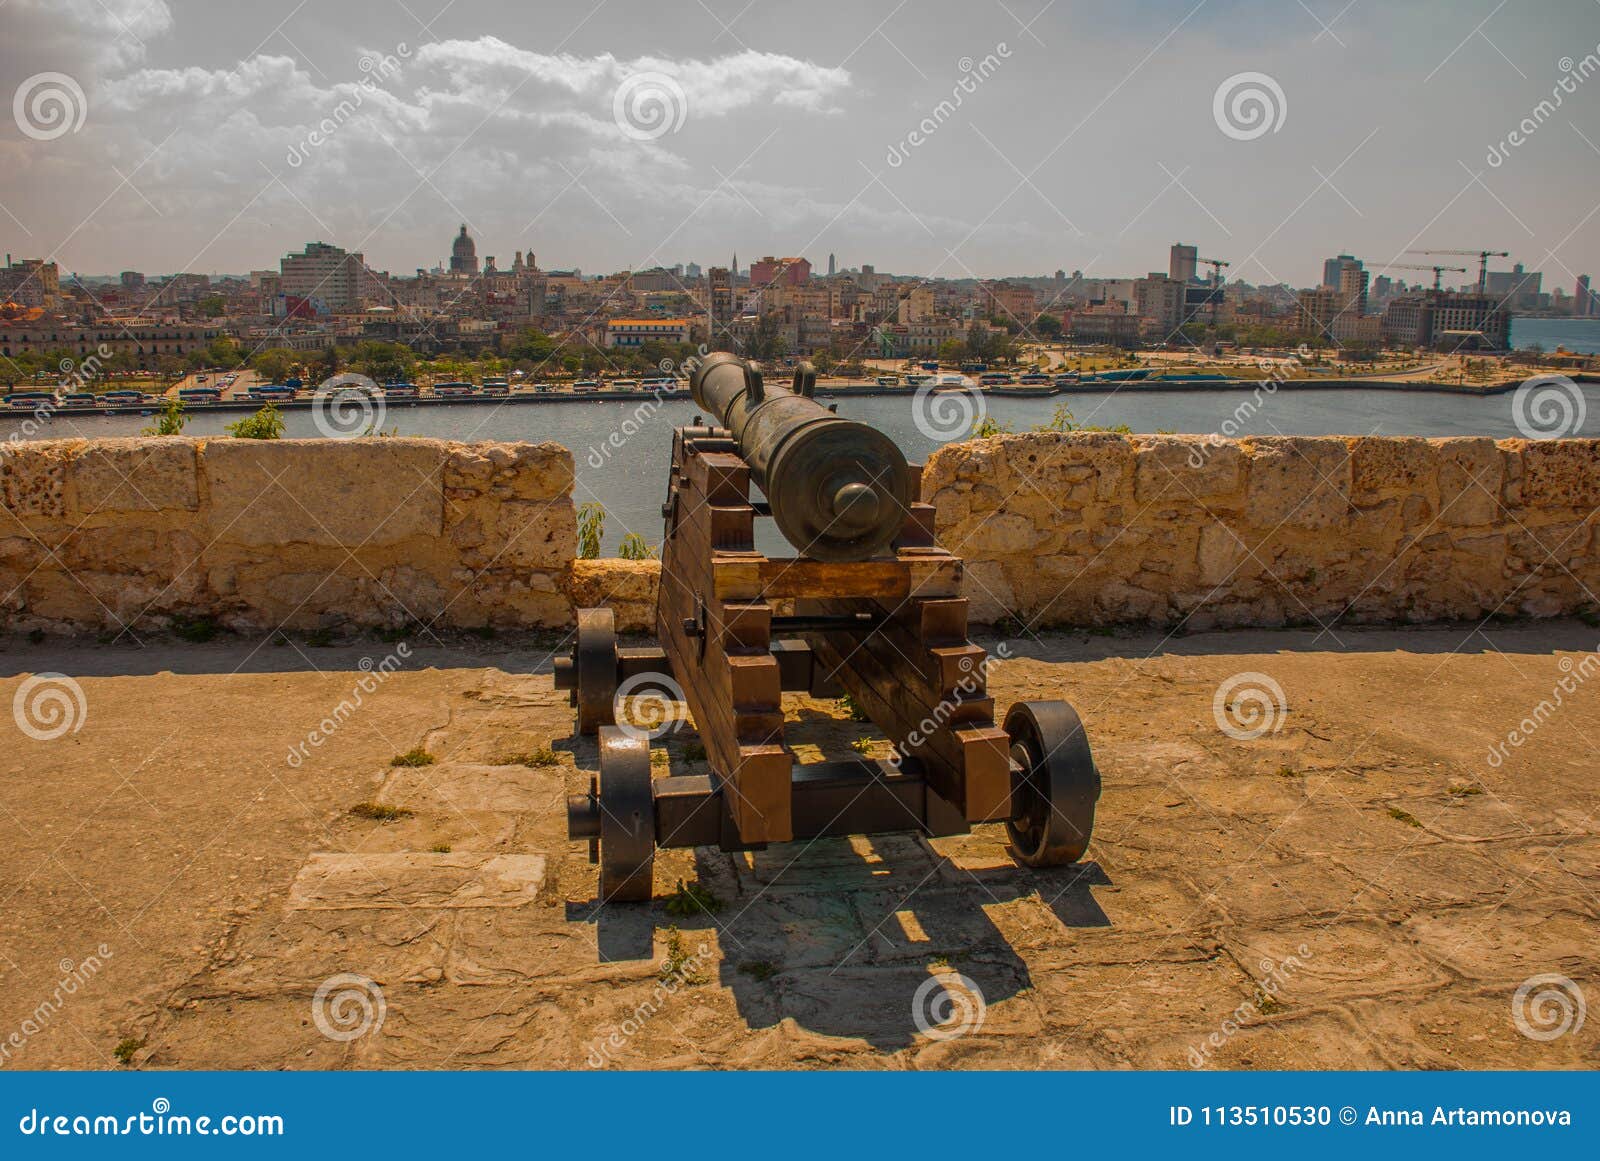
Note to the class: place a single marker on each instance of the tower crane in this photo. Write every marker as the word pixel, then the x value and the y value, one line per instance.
pixel 1217 265
pixel 1437 270
pixel 1482 256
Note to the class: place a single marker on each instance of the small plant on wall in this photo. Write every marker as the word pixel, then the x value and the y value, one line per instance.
pixel 591 528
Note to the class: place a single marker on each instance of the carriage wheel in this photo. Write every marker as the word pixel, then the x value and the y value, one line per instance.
pixel 627 818
pixel 1056 787
pixel 595 659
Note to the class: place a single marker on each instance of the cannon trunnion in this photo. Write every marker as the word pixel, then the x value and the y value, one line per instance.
pixel 872 608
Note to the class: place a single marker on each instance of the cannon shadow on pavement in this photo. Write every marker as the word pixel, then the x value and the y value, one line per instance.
pixel 843 936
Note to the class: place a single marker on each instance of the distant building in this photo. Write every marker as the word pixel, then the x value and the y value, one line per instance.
pixel 1583 304
pixel 463 254
pixel 793 271
pixel 31 282
pixel 1182 263
pixel 1332 268
pixel 328 275
pixel 833 266
pixel 1007 300
pixel 1352 288
pixel 632 332
pixel 1447 320
pixel 1159 302
pixel 1517 288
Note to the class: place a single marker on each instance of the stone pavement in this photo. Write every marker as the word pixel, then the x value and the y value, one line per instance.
pixel 188 879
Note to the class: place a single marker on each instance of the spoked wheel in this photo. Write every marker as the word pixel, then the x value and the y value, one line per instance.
pixel 594 657
pixel 627 818
pixel 1056 788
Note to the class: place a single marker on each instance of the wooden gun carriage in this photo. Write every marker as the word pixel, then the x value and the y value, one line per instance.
pixel 870 608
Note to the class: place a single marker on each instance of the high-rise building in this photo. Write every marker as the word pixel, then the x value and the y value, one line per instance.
pixel 720 284
pixel 1332 267
pixel 833 266
pixel 1352 287
pixel 463 254
pixel 336 279
pixel 1183 261
pixel 1583 305
pixel 1515 287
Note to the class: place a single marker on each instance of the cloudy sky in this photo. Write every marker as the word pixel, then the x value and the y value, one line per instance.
pixel 955 137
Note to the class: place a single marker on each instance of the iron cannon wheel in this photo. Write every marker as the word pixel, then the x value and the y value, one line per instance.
pixel 595 655
pixel 627 818
pixel 1056 787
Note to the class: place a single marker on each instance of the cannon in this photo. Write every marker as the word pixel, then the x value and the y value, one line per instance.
pixel 870 608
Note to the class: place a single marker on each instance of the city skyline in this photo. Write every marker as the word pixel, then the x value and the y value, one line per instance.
pixel 970 142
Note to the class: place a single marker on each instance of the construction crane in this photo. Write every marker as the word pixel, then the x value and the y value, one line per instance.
pixel 1216 265
pixel 1437 270
pixel 1482 256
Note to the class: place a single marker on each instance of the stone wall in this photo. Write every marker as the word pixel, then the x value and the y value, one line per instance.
pixel 1057 530
pixel 1093 529
pixel 258 534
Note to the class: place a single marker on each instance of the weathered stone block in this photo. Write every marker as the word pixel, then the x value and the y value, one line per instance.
pixel 627 587
pixel 1182 469
pixel 135 475
pixel 1298 482
pixel 1471 475
pixel 354 493
pixel 33 477
pixel 1383 467
pixel 1561 473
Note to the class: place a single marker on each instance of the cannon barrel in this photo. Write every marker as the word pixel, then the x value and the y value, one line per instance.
pixel 838 488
